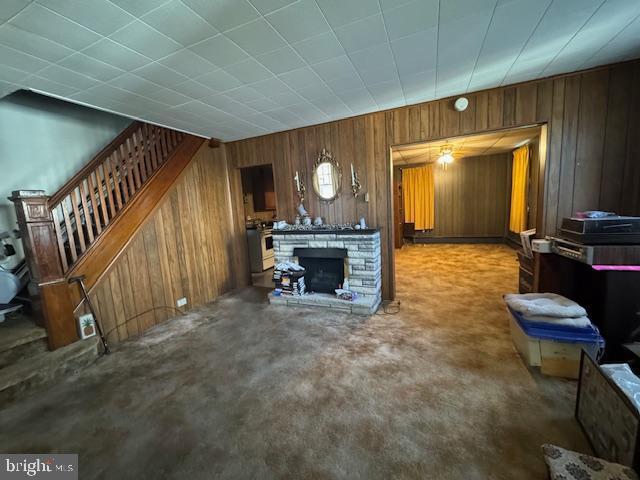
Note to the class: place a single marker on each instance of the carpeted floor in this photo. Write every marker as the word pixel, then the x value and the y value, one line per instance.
pixel 241 389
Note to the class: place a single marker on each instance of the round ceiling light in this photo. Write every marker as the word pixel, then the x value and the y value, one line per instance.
pixel 461 104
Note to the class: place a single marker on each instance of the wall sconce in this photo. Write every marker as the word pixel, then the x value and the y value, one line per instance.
pixel 355 182
pixel 300 188
pixel 446 156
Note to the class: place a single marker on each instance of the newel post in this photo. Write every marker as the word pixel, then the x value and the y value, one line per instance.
pixel 43 257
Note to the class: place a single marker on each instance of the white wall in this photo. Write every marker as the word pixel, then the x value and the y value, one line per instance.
pixel 44 142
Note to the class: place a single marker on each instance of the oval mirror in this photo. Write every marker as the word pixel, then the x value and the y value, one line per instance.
pixel 327 177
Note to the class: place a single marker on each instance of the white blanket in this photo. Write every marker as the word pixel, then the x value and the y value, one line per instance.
pixel 544 304
pixel 567 322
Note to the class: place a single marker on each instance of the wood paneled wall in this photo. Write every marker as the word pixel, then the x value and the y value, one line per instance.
pixel 593 153
pixel 191 246
pixel 471 197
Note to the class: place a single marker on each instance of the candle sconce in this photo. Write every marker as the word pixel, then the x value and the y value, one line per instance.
pixel 300 187
pixel 355 182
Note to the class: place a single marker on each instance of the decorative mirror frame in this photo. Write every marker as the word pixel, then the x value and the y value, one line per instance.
pixel 325 157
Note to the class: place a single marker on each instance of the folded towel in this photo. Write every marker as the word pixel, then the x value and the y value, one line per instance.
pixel 580 322
pixel 544 304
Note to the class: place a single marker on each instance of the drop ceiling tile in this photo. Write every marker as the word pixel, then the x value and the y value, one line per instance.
pixel 7 89
pixel 299 21
pixel 193 89
pixel 419 86
pixel 49 86
pixel 228 105
pixel 416 52
pixel 101 17
pixel 375 64
pixel 179 22
pixel 219 50
pixel 138 7
pixel 32 44
pixel 224 14
pixel 143 39
pixel 244 94
pixel 345 83
pixel 11 7
pixel 387 94
pixel 197 108
pixel 101 93
pixel 116 55
pixel 68 77
pixel 281 61
pixel 389 4
pixel 625 46
pixel 271 86
pixel 285 99
pixel 219 81
pixel 334 68
pixel 187 63
pixel 268 6
pixel 319 48
pixel 256 37
pixel 262 104
pixel 332 106
pixel 453 10
pixel 91 67
pixel 12 75
pixel 169 97
pixel 315 91
pixel 411 18
pixel 359 101
pixel 362 34
pixel 41 21
pixel 340 13
pixel 265 121
pixel 300 78
pixel 248 71
pixel 283 115
pixel 305 110
pixel 21 61
pixel 134 83
pixel 157 73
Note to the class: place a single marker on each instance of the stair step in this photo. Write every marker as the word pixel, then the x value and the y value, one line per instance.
pixel 45 367
pixel 19 330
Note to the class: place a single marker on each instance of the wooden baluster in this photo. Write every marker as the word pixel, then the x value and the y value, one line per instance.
pixel 117 192
pixel 172 137
pixel 138 143
pixel 163 143
pixel 94 202
pixel 127 180
pixel 133 161
pixel 85 208
pixel 75 200
pixel 103 200
pixel 151 146
pixel 55 212
pixel 67 223
pixel 106 168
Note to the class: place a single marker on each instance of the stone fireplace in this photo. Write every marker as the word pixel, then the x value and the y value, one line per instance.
pixel 330 256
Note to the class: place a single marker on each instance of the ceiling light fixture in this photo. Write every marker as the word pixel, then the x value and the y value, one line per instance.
pixel 446 156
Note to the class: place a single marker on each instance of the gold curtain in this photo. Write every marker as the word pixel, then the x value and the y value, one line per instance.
pixel 519 177
pixel 418 195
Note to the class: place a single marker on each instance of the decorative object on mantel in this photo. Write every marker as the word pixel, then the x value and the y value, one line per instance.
pixel 306 221
pixel 317 221
pixel 300 187
pixel 363 224
pixel 327 177
pixel 355 182
pixel 281 225
pixel 319 228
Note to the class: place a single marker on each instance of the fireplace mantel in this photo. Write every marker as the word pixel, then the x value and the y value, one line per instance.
pixel 363 264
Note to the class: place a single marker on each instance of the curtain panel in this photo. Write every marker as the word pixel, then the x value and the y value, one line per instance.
pixel 418 194
pixel 519 179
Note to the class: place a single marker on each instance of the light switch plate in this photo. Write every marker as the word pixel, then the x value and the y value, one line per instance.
pixel 181 302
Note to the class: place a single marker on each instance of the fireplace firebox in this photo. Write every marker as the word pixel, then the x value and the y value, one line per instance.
pixel 324 268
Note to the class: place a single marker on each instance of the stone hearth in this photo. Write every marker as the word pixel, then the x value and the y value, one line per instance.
pixel 363 266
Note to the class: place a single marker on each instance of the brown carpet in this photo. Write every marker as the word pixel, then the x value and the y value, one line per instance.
pixel 241 389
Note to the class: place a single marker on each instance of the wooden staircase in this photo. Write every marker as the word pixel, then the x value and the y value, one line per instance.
pixel 82 228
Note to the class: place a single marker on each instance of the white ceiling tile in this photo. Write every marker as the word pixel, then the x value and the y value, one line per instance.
pixel 419 86
pixel 411 18
pixel 319 48
pixel 416 52
pixel 197 108
pixel 101 92
pixel 389 4
pixel 219 81
pixel 256 37
pixel 339 12
pixel 224 14
pixel 359 100
pixel 387 94
pixel 7 89
pixel 452 11
pixel 157 73
pixel 345 83
pixel 283 115
pixel 138 7
pixel 68 77
pixel 11 7
pixel 190 29
pixel 143 39
pixel 244 94
pixel 101 17
pixel 12 75
pixel 375 64
pixel 21 61
pixel 116 55
pixel 281 61
pixel 332 106
pixel 228 105
pixel 334 68
pixel 91 67
pixel 248 71
pixel 187 63
pixel 271 86
pixel 284 99
pixel 264 121
pixel 362 34
pixel 169 97
pixel 262 104
pixel 220 51
pixel 41 21
pixel 624 46
pixel 300 78
pixel 49 86
pixel 268 6
pixel 193 89
pixel 299 21
pixel 315 91
pixel 32 44
pixel 134 83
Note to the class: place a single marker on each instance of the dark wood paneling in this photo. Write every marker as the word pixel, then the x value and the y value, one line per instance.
pixel 578 109
pixel 190 246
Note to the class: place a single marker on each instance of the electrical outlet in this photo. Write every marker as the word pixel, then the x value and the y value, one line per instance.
pixel 181 302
